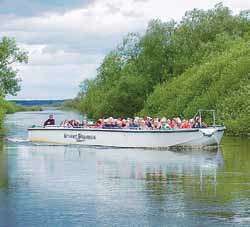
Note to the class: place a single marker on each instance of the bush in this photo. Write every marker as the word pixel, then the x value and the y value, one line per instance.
pixel 220 83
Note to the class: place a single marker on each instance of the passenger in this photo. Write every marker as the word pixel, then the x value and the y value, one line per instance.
pixel 119 123
pixel 109 123
pixel 164 124
pixel 198 123
pixel 191 123
pixel 185 124
pixel 67 124
pixel 73 123
pixel 76 124
pixel 106 123
pixel 115 123
pixel 178 122
pixel 142 124
pixel 149 123
pixel 169 123
pixel 133 124
pixel 63 123
pixel 50 121
pixel 84 124
pixel 173 124
pixel 99 123
pixel 124 123
pixel 136 122
pixel 156 124
pixel 128 122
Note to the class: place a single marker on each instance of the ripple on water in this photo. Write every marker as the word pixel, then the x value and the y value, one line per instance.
pixel 94 186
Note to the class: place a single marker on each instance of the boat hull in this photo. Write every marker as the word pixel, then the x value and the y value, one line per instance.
pixel 127 138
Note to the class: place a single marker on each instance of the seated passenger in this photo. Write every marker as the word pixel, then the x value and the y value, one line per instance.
pixel 119 123
pixel 198 123
pixel 76 124
pixel 178 122
pixel 169 123
pixel 164 124
pixel 99 123
pixel 65 123
pixel 50 121
pixel 124 123
pixel 133 124
pixel 156 123
pixel 72 123
pixel 142 124
pixel 116 123
pixel 108 123
pixel 149 123
pixel 185 124
pixel 84 124
pixel 173 124
pixel 136 122
pixel 191 123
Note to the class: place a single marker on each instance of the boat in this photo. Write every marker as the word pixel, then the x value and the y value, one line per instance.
pixel 129 138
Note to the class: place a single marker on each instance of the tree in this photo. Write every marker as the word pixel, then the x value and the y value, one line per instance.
pixel 156 72
pixel 9 55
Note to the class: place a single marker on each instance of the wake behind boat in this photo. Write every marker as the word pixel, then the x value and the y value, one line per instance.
pixel 136 137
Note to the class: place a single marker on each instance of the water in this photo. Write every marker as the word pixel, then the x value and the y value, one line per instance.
pixel 82 186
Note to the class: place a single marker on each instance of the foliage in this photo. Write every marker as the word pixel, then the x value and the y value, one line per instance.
pixel 10 54
pixel 221 83
pixel 11 107
pixel 8 107
pixel 174 68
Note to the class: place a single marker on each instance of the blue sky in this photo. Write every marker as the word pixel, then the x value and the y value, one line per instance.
pixel 68 39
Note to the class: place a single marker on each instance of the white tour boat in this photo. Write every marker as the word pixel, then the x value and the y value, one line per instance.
pixel 133 138
pixel 128 137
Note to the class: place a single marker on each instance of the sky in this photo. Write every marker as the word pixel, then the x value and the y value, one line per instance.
pixel 68 39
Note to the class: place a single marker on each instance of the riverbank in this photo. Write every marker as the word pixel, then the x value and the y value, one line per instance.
pixel 7 107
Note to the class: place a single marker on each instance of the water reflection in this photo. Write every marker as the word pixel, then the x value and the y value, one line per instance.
pixel 164 185
pixel 86 186
pixel 3 166
pixel 164 172
pixel 157 165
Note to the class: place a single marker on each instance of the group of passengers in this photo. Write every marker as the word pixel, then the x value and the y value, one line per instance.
pixel 146 123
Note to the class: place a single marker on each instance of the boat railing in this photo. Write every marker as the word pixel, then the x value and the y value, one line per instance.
pixel 200 111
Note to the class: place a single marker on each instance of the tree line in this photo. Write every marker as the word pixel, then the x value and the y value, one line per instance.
pixel 176 68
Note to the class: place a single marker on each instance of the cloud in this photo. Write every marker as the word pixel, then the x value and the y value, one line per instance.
pixel 26 8
pixel 53 81
pixel 67 40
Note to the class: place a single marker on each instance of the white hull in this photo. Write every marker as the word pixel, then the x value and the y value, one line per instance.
pixel 127 138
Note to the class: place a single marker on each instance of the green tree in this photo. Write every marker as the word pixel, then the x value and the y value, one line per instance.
pixel 10 54
pixel 170 70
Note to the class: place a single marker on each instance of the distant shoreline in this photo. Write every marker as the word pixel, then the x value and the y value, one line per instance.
pixel 56 102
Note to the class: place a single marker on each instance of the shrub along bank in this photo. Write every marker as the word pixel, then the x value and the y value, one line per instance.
pixel 174 69
pixel 220 83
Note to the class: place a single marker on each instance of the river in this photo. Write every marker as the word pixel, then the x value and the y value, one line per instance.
pixel 82 186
